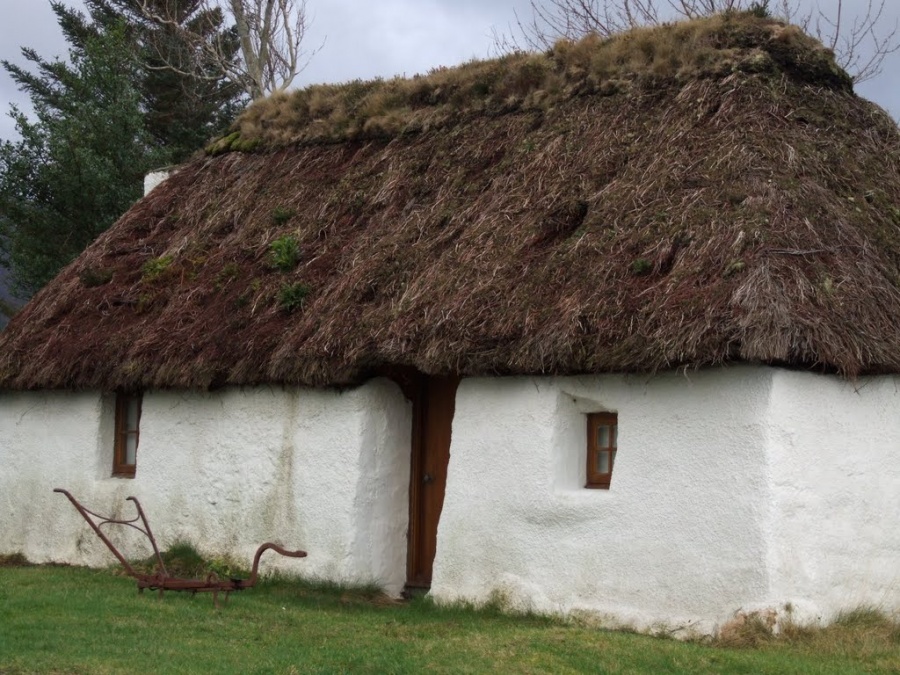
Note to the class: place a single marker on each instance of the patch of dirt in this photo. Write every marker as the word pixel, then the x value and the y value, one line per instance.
pixel 14 560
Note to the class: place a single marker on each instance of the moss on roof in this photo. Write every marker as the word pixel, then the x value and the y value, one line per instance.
pixel 683 51
pixel 720 215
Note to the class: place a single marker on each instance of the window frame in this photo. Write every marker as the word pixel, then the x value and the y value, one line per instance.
pixel 597 480
pixel 121 467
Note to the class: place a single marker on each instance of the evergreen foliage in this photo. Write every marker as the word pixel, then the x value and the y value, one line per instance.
pixel 102 119
pixel 79 165
pixel 182 111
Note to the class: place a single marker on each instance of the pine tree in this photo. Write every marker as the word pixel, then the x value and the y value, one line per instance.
pixel 79 165
pixel 182 110
pixel 102 119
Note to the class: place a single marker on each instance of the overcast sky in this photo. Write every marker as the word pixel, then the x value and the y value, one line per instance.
pixel 369 38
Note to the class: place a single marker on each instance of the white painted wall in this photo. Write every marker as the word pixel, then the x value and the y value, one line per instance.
pixel 741 488
pixel 319 470
pixel 48 440
pixel 677 537
pixel 835 493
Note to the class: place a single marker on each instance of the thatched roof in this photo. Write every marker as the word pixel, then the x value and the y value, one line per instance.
pixel 704 193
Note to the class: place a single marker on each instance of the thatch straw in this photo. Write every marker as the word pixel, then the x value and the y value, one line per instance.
pixel 680 222
pixel 710 47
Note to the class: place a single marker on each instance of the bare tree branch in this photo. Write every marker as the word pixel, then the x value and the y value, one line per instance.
pixel 270 34
pixel 860 47
pixel 861 43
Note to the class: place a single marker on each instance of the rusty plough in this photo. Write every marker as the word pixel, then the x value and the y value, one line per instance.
pixel 161 580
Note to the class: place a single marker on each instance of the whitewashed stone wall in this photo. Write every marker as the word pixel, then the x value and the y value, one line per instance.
pixel 743 488
pixel 678 535
pixel 319 470
pixel 834 476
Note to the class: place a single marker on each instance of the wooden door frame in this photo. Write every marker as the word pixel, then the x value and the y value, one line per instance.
pixel 413 534
pixel 413 383
pixel 415 387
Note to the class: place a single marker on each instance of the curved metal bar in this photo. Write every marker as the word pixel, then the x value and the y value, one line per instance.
pixel 149 533
pixel 161 580
pixel 249 583
pixel 87 516
pixel 102 520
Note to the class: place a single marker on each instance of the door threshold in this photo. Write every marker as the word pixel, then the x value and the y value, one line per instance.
pixel 412 591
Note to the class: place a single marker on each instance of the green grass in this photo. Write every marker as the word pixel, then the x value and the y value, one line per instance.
pixel 75 620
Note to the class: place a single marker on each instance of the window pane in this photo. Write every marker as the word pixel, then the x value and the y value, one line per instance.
pixel 131 416
pixel 603 436
pixel 130 448
pixel 615 436
pixel 603 461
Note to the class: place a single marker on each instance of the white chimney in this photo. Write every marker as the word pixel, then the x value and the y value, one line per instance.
pixel 154 178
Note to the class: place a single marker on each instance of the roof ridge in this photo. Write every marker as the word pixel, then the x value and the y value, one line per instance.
pixel 717 46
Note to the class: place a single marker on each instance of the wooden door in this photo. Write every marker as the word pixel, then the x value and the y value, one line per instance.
pixel 433 404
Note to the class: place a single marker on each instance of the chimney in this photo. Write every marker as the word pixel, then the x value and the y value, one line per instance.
pixel 154 178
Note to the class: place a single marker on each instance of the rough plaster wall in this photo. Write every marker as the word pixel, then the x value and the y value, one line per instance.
pixel 225 471
pixel 382 491
pixel 47 440
pixel 677 539
pixel 216 469
pixel 788 492
pixel 835 476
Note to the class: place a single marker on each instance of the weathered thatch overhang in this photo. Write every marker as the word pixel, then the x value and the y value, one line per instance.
pixel 709 193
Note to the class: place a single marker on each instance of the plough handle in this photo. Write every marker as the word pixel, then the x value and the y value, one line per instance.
pixel 87 516
pixel 262 549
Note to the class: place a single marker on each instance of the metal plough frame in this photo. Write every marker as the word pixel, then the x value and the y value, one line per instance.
pixel 161 580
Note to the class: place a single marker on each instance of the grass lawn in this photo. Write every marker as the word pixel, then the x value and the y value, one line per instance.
pixel 76 620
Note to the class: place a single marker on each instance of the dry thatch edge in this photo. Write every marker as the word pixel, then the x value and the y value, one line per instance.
pixel 761 207
pixel 382 109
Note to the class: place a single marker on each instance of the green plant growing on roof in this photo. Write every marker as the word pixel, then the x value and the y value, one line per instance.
pixel 155 267
pixel 229 272
pixel 280 215
pixel 144 302
pixel 92 277
pixel 292 297
pixel 734 267
pixel 760 9
pixel 284 253
pixel 641 266
pixel 223 144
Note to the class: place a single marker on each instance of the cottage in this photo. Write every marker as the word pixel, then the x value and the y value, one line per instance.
pixel 612 329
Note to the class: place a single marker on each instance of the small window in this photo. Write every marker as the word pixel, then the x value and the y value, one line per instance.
pixel 602 439
pixel 128 419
